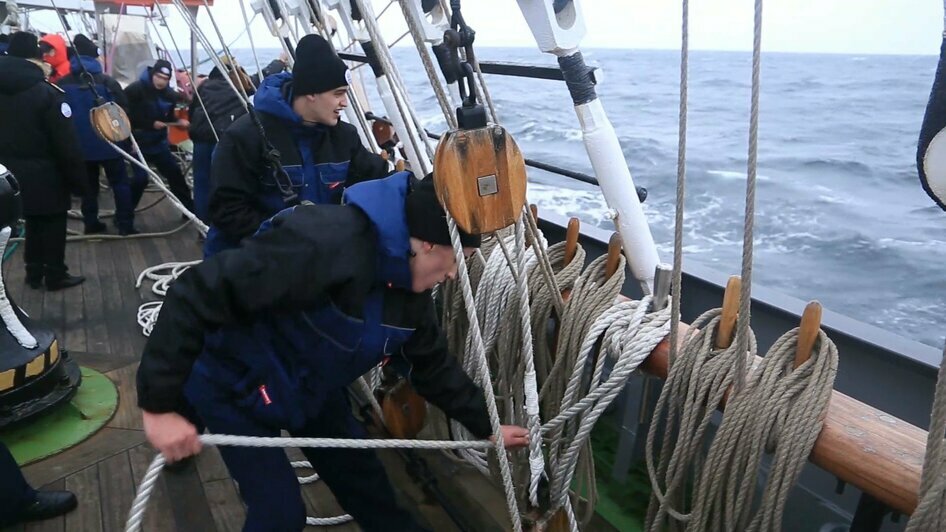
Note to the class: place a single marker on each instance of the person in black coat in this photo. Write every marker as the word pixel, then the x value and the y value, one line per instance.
pixel 86 87
pixel 151 104
pixel 211 113
pixel 267 337
pixel 214 109
pixel 321 155
pixel 38 143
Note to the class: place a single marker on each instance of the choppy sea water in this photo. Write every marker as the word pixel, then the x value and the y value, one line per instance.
pixel 840 215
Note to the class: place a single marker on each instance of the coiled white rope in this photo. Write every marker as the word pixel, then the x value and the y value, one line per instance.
pixel 162 275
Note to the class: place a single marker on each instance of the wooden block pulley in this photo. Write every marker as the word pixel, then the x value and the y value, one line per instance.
pixel 110 122
pixel 480 177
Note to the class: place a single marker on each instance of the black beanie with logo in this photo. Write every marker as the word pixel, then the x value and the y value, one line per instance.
pixel 317 68
pixel 426 219
pixel 162 67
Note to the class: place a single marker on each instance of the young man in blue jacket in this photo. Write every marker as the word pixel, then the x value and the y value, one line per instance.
pixel 321 155
pixel 151 110
pixel 266 337
pixel 87 86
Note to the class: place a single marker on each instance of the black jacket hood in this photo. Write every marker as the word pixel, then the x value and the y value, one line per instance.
pixel 18 74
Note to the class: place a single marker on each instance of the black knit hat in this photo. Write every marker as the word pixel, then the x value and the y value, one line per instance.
pixel 426 218
pixel 85 47
pixel 162 67
pixel 317 68
pixel 24 44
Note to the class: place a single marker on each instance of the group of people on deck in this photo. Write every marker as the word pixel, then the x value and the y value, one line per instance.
pixel 319 266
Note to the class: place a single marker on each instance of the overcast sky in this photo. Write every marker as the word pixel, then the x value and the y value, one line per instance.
pixel 826 26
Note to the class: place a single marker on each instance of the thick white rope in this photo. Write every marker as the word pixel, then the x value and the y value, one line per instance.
pixel 148 312
pixel 695 385
pixel 483 374
pixel 630 335
pixel 531 392
pixel 7 313
pixel 779 412
pixel 138 507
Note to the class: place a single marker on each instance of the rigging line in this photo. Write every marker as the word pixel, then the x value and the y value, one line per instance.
pixel 353 97
pixel 399 89
pixel 681 182
pixel 752 166
pixel 192 23
pixel 249 33
pixel 180 56
pixel 234 66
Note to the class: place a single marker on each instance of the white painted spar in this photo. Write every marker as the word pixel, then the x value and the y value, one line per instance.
pixel 619 190
pixel 405 130
pixel 560 34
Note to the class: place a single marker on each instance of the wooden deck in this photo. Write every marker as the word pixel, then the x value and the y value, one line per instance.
pixel 97 324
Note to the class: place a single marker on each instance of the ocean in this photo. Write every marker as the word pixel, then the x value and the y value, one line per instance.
pixel 840 214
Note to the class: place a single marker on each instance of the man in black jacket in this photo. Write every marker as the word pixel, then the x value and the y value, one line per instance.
pixel 38 143
pixel 87 86
pixel 212 112
pixel 266 337
pixel 320 155
pixel 151 110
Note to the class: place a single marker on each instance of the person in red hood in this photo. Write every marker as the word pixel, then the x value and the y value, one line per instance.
pixel 53 47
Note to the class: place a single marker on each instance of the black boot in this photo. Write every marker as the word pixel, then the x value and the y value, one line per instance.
pixel 59 278
pixel 34 275
pixel 96 228
pixel 48 504
pixel 66 281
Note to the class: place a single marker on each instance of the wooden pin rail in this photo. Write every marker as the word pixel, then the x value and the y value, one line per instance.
pixel 861 445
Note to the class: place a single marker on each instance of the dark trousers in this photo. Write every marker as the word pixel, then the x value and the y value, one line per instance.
pixel 122 186
pixel 45 253
pixel 15 493
pixel 269 485
pixel 203 155
pixel 167 166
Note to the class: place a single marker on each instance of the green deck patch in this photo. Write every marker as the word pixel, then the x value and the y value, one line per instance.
pixel 66 425
pixel 623 504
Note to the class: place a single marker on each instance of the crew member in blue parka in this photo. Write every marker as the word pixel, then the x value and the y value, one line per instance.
pixel 267 336
pixel 300 113
pixel 87 86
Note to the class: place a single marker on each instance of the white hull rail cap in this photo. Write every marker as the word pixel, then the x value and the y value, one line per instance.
pixel 557 25
pixel 934 169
